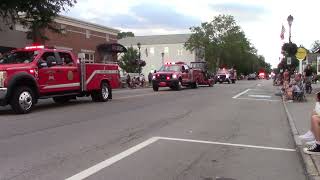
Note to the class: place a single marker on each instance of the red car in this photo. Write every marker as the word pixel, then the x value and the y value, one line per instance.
pixel 37 72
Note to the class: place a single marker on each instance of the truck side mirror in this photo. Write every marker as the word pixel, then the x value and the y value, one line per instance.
pixel 42 64
pixel 51 61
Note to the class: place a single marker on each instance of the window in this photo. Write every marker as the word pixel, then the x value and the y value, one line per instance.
pixel 167 68
pixel 22 28
pixel 107 38
pixel 49 56
pixel 63 29
pixel 18 57
pixel 166 50
pixel 66 59
pixel 87 34
pixel 152 51
pixel 89 58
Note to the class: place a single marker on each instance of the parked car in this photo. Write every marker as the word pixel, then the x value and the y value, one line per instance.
pixel 252 76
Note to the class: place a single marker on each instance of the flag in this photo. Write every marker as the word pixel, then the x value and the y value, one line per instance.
pixel 283 30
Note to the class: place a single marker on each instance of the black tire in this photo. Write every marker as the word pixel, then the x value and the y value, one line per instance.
pixel 233 81
pixel 22 100
pixel 195 85
pixel 61 100
pixel 103 94
pixel 155 88
pixel 178 86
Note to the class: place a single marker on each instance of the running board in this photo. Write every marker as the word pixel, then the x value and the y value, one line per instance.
pixel 59 95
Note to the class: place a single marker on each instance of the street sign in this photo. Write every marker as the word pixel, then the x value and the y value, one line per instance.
pixel 289 60
pixel 301 54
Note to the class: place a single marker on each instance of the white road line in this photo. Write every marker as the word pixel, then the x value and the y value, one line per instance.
pixel 94 169
pixel 240 94
pixel 253 99
pixel 108 162
pixel 227 144
pixel 259 96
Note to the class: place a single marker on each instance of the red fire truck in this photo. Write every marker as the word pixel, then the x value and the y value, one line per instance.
pixel 176 75
pixel 39 72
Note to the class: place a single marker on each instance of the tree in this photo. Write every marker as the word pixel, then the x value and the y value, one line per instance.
pixel 122 35
pixel 130 62
pixel 35 15
pixel 225 44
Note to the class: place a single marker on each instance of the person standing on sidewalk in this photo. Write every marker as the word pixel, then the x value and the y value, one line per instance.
pixel 150 79
pixel 312 137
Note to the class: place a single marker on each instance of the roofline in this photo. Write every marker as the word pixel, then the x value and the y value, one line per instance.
pixel 163 35
pixel 80 23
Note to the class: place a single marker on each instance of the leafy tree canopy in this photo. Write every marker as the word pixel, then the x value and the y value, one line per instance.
pixel 122 35
pixel 35 15
pixel 225 44
pixel 130 62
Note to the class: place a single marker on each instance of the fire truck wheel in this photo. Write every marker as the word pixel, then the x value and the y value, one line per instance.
pixel 103 94
pixel 155 88
pixel 179 86
pixel 61 100
pixel 195 85
pixel 22 100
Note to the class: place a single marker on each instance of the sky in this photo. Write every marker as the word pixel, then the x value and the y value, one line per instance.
pixel 261 20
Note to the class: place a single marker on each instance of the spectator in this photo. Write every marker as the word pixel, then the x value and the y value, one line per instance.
pixel 150 78
pixel 128 80
pixel 312 137
pixel 308 73
pixel 297 84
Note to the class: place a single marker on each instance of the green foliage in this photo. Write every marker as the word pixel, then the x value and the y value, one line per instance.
pixel 130 62
pixel 122 35
pixel 289 49
pixel 225 44
pixel 35 15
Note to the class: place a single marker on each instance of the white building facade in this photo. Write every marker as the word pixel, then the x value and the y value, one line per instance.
pixel 159 49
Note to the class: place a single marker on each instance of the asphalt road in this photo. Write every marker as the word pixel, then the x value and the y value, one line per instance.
pixel 227 132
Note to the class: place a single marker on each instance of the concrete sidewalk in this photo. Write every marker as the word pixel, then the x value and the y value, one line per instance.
pixel 299 115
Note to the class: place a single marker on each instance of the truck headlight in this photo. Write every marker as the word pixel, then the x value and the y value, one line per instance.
pixel 3 76
pixel 174 76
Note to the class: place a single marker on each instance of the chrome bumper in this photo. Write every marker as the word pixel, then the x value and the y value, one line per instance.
pixel 3 93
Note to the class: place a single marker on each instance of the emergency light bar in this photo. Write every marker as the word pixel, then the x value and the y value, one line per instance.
pixel 35 47
pixel 169 63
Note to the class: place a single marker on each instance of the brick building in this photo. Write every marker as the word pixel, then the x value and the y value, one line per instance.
pixel 99 43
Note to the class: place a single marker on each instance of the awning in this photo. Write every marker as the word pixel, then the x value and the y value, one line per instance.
pixel 112 48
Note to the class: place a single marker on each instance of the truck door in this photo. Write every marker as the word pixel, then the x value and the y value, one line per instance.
pixel 58 77
pixel 68 72
pixel 47 74
pixel 185 74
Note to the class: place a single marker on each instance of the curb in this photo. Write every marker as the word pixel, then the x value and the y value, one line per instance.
pixel 309 165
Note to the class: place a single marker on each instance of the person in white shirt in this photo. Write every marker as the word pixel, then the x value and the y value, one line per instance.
pixel 312 137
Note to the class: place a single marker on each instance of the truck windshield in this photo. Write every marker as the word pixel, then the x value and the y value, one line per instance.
pixel 18 57
pixel 167 68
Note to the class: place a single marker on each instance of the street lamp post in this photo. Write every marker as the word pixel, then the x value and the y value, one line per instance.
pixel 139 47
pixel 162 55
pixel 290 19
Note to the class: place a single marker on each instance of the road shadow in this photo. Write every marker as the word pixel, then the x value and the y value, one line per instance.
pixel 49 105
